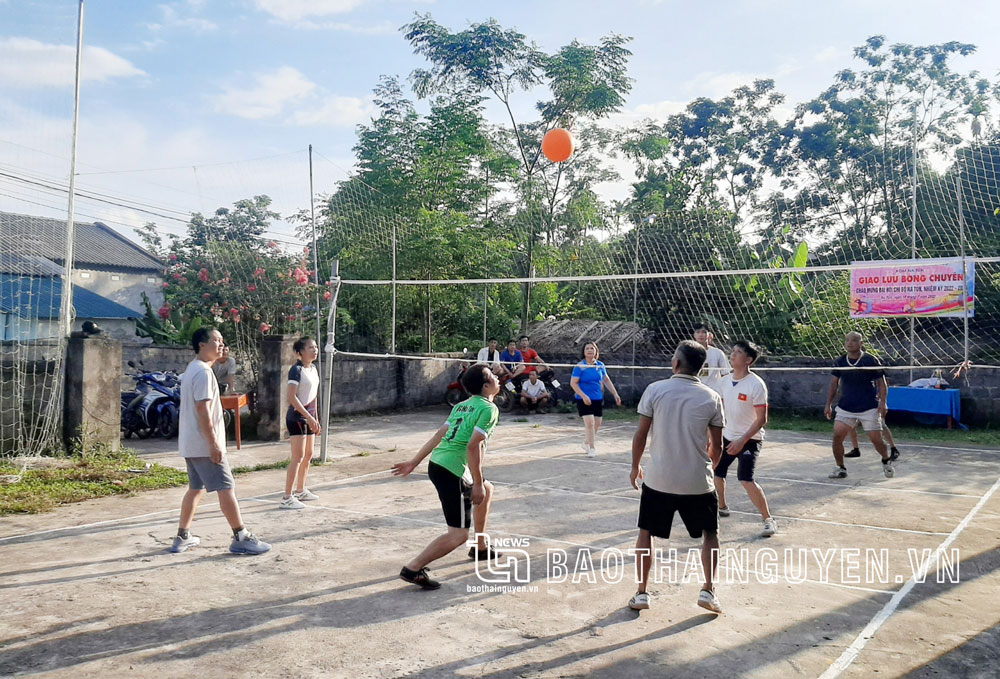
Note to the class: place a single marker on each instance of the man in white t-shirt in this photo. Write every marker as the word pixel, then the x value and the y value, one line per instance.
pixel 685 418
pixel 201 440
pixel 716 366
pixel 533 392
pixel 744 396
pixel 490 355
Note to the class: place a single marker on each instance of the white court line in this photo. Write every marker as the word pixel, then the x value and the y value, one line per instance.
pixel 852 652
pixel 868 488
pixel 314 506
pixel 171 511
pixel 734 511
pixel 941 446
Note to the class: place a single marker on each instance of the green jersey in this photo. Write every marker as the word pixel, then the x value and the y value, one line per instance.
pixel 471 415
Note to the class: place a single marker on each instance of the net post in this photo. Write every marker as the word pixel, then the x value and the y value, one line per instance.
pixel 328 348
pixel 315 254
pixel 965 264
pixel 913 238
pixel 486 303
pixel 392 341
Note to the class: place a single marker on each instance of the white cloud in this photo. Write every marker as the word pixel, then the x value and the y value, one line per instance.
pixel 172 18
pixel 268 97
pixel 714 85
pixel 336 111
pixel 294 10
pixel 383 28
pixel 28 63
pixel 831 53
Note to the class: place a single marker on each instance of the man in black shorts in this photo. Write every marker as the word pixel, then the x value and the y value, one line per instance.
pixel 686 419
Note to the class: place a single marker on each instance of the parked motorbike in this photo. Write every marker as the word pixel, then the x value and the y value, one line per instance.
pixel 155 404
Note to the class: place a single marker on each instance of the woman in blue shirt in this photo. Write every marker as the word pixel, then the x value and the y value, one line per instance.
pixel 588 381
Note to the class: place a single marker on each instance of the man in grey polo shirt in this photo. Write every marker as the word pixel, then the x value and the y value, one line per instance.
pixel 686 420
pixel 202 443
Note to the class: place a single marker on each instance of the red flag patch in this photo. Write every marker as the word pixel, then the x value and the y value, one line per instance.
pixel 743 397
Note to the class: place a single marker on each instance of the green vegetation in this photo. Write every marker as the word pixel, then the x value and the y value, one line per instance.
pixel 75 478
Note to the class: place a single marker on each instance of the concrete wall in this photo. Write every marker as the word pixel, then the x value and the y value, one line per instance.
pixel 362 384
pixel 92 403
pixel 124 288
pixel 28 388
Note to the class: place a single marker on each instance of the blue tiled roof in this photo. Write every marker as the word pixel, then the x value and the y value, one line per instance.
pixel 40 297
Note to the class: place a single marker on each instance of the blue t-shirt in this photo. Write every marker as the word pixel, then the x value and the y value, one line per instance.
pixel 591 379
pixel 510 360
pixel 858 388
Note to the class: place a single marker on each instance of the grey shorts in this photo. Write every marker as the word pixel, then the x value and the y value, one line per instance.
pixel 203 474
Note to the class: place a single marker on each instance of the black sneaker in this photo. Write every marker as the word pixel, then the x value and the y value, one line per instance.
pixel 419 578
pixel 487 554
pixel 855 452
pixel 894 453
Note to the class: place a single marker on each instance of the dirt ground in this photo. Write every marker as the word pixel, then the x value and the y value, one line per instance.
pixel 90 590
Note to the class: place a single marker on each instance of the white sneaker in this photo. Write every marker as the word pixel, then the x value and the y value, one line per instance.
pixel 723 511
pixel 770 528
pixel 592 452
pixel 838 473
pixel 290 502
pixel 305 495
pixel 639 601
pixel 887 469
pixel 708 601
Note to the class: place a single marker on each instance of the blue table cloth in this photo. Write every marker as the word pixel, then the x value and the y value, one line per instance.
pixel 934 401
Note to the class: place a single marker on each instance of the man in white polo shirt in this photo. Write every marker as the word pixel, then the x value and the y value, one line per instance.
pixel 744 396
pixel 686 420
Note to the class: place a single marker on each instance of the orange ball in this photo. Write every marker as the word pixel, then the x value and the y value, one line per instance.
pixel 557 145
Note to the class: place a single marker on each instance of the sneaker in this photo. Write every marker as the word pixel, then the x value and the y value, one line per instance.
pixel 639 601
pixel 181 544
pixel 249 544
pixel 894 453
pixel 708 601
pixel 723 511
pixel 855 452
pixel 419 578
pixel 586 449
pixel 770 528
pixel 887 469
pixel 290 502
pixel 483 554
pixel 305 495
pixel 838 473
pixel 592 452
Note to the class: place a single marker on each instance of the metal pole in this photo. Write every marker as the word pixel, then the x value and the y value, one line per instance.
pixel 66 300
pixel 635 303
pixel 965 265
pixel 486 301
pixel 392 343
pixel 315 254
pixel 329 348
pixel 913 241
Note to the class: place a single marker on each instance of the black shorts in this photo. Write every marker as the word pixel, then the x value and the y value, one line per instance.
pixel 747 460
pixel 698 512
pixel 298 425
pixel 596 407
pixel 455 495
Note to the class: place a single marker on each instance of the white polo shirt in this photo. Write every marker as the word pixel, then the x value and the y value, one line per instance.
pixel 199 384
pixel 741 398
pixel 535 390
pixel 682 409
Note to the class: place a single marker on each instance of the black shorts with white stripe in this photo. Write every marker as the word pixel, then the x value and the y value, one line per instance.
pixel 455 495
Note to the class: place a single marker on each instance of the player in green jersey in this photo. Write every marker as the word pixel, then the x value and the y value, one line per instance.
pixel 456 470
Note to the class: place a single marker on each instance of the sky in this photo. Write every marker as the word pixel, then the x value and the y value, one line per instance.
pixel 190 105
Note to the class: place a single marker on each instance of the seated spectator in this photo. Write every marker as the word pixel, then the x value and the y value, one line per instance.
pixel 512 361
pixel 532 361
pixel 533 393
pixel 490 355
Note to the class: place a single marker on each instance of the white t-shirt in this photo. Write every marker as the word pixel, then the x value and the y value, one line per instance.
pixel 682 409
pixel 306 381
pixel 199 384
pixel 533 390
pixel 741 399
pixel 484 357
pixel 716 367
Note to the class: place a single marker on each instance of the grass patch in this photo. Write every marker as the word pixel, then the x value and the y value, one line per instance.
pixel 261 467
pixel 76 478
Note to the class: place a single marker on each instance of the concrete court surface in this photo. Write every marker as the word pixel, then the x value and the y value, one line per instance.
pixel 90 590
